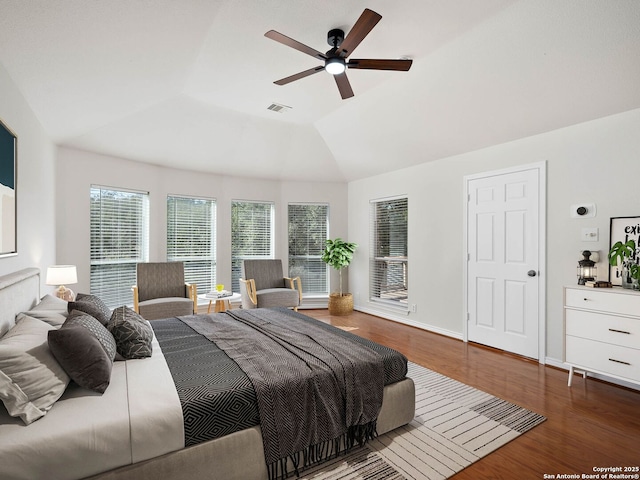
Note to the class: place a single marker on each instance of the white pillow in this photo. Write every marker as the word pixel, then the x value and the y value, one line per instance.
pixel 52 310
pixel 31 380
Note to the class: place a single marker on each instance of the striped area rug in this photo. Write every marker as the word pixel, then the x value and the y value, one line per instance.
pixel 455 425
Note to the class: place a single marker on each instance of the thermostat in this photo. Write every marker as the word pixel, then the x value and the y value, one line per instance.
pixel 583 210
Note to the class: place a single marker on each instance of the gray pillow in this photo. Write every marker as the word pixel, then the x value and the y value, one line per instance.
pixel 82 356
pixel 81 319
pixel 132 333
pixel 92 305
pixel 31 380
pixel 52 310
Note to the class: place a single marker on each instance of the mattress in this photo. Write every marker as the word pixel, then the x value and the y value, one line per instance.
pixel 137 418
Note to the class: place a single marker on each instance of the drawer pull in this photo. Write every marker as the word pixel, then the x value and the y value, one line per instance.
pixel 619 331
pixel 619 361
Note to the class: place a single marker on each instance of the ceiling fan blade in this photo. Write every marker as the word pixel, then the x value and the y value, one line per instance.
pixel 344 86
pixel 298 76
pixel 290 42
pixel 361 29
pixel 371 64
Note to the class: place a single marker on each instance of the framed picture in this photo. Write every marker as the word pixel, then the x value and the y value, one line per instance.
pixel 622 229
pixel 8 184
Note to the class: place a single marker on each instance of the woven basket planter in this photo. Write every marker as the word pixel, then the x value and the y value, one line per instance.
pixel 340 305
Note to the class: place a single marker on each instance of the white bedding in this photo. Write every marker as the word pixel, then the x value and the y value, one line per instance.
pixel 138 417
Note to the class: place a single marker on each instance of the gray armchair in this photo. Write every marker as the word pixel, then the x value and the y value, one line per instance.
pixel 263 285
pixel 161 291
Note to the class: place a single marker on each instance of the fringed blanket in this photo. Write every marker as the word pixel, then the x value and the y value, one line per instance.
pixel 318 392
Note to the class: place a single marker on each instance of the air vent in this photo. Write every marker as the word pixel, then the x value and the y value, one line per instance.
pixel 277 107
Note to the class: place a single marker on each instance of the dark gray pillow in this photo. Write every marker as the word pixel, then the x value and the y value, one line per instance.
pixel 92 305
pixel 132 333
pixel 82 356
pixel 80 319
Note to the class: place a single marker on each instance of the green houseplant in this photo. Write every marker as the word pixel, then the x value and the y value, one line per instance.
pixel 624 255
pixel 338 254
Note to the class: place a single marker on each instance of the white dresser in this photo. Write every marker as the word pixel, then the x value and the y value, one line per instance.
pixel 602 332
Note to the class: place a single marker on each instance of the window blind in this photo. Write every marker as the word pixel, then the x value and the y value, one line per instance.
pixel 251 235
pixel 308 230
pixel 388 273
pixel 119 240
pixel 191 239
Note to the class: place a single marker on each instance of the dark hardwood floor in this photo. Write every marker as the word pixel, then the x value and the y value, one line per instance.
pixel 592 424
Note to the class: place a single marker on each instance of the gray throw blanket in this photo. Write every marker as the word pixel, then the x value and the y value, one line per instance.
pixel 318 393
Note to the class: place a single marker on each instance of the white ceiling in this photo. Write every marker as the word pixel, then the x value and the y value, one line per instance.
pixel 187 83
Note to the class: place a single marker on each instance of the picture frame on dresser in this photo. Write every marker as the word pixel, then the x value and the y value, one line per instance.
pixel 622 229
pixel 8 191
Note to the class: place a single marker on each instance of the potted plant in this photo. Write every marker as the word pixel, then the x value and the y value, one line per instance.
pixel 625 255
pixel 338 254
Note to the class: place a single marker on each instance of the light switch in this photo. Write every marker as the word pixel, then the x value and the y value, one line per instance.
pixel 590 234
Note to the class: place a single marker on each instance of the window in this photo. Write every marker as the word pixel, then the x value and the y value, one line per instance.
pixel 119 240
pixel 191 239
pixel 389 253
pixel 307 234
pixel 251 235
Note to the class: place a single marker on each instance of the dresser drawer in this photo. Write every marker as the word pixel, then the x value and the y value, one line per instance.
pixel 604 300
pixel 623 331
pixel 603 358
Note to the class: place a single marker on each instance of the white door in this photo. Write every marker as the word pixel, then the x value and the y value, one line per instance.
pixel 503 255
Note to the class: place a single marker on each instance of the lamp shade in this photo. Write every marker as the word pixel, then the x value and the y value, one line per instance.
pixel 62 275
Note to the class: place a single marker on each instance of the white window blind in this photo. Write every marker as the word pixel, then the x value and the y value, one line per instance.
pixel 251 235
pixel 308 230
pixel 119 240
pixel 389 253
pixel 191 239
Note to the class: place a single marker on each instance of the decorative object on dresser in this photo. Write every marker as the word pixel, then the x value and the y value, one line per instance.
pixel 338 254
pixel 602 332
pixel 63 275
pixel 624 252
pixel 586 268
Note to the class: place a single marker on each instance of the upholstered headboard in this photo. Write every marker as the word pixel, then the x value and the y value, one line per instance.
pixel 19 292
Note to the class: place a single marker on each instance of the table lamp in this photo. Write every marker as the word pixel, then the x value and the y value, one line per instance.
pixel 61 275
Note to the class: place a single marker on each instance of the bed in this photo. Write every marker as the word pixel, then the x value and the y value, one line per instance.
pixel 136 428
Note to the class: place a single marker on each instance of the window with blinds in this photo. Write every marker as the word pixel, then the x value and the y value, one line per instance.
pixel 191 239
pixel 389 254
pixel 119 240
pixel 251 235
pixel 308 230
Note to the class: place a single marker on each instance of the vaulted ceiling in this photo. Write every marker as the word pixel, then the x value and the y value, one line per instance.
pixel 188 83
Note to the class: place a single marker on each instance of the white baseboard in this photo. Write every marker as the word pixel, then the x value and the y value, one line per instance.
pixel 407 321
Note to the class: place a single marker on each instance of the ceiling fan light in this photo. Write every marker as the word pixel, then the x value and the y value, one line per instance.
pixel 335 66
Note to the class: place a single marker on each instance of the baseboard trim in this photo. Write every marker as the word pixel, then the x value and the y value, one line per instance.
pixel 408 321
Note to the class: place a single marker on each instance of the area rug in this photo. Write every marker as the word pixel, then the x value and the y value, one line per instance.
pixel 455 425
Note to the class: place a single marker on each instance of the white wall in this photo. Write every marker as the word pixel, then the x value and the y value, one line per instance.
pixel 35 186
pixel 78 170
pixel 597 162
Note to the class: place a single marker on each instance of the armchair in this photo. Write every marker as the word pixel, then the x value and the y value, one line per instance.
pixel 263 285
pixel 161 291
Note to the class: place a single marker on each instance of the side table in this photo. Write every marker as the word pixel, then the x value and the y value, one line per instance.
pixel 221 304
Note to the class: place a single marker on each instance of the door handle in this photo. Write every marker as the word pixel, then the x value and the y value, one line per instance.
pixel 531 273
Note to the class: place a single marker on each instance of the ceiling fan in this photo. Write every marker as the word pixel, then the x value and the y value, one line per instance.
pixel 335 60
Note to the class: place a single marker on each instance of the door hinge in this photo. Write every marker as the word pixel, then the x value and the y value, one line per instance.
pixel 468 316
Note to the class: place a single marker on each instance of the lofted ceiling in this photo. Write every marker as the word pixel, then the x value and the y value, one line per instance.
pixel 188 83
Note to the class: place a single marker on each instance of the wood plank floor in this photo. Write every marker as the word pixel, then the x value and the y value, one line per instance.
pixel 592 424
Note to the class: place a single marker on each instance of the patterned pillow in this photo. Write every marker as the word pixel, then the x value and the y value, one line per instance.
pixel 92 305
pixel 97 329
pixel 133 333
